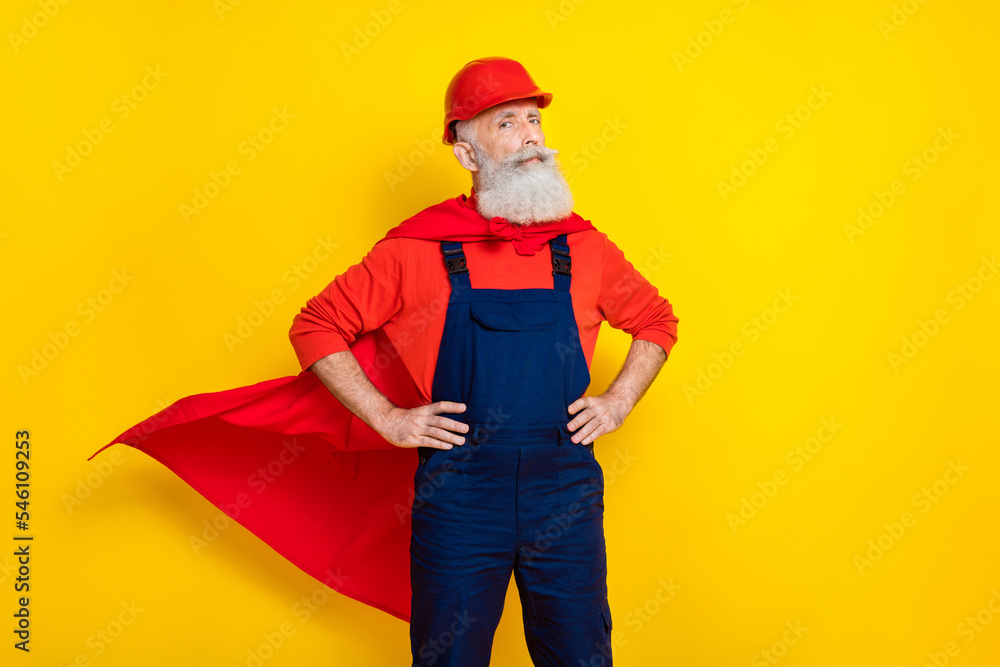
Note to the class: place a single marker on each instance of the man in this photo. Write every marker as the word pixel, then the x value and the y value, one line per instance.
pixel 502 374
pixel 466 333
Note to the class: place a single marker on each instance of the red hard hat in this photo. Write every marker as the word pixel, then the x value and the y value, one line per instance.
pixel 484 83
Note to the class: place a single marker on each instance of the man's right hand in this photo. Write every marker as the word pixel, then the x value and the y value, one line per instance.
pixel 424 426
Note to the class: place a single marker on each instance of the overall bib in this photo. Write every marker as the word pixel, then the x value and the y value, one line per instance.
pixel 519 496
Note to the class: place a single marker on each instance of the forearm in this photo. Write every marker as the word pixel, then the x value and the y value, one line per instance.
pixel 341 373
pixel 642 364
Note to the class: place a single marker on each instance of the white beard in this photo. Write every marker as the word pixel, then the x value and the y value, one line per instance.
pixel 522 193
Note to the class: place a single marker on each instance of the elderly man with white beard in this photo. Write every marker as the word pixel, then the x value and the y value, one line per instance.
pixel 523 184
pixel 508 483
pixel 439 438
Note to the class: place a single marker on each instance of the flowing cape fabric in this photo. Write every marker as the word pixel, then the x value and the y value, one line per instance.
pixel 295 467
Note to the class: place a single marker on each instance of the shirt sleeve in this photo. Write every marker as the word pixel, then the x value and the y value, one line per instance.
pixel 363 298
pixel 631 303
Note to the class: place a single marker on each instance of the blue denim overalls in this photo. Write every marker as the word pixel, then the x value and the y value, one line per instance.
pixel 519 496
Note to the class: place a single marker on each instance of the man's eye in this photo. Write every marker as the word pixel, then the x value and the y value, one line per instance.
pixel 506 122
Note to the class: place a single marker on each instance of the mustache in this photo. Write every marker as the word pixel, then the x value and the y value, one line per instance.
pixel 543 153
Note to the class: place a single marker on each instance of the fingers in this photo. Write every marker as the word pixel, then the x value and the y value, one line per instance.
pixel 446 406
pixel 444 428
pixel 593 429
pixel 450 424
pixel 428 428
pixel 590 422
pixel 591 412
pixel 441 435
pixel 588 434
pixel 602 423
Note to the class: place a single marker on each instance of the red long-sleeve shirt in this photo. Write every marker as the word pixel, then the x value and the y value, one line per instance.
pixel 402 286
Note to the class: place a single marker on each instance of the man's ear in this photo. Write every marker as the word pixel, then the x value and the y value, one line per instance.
pixel 464 154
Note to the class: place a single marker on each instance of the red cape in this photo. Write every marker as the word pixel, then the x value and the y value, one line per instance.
pixel 294 466
pixel 452 220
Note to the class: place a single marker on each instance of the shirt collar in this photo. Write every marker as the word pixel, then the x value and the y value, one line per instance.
pixel 470 201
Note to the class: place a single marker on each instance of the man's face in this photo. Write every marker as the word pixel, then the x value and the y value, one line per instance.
pixel 508 127
pixel 514 173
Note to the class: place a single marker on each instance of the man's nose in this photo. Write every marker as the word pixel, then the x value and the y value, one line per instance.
pixel 533 135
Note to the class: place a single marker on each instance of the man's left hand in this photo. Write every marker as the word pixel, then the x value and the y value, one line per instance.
pixel 598 415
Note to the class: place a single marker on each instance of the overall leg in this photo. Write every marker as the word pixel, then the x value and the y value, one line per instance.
pixel 461 555
pixel 561 566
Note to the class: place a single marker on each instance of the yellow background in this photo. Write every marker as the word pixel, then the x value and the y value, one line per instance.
pixel 646 138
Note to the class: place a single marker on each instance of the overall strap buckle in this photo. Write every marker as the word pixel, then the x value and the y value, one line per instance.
pixel 454 258
pixel 561 263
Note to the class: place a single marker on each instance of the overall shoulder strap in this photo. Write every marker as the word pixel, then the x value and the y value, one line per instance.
pixel 561 263
pixel 454 262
